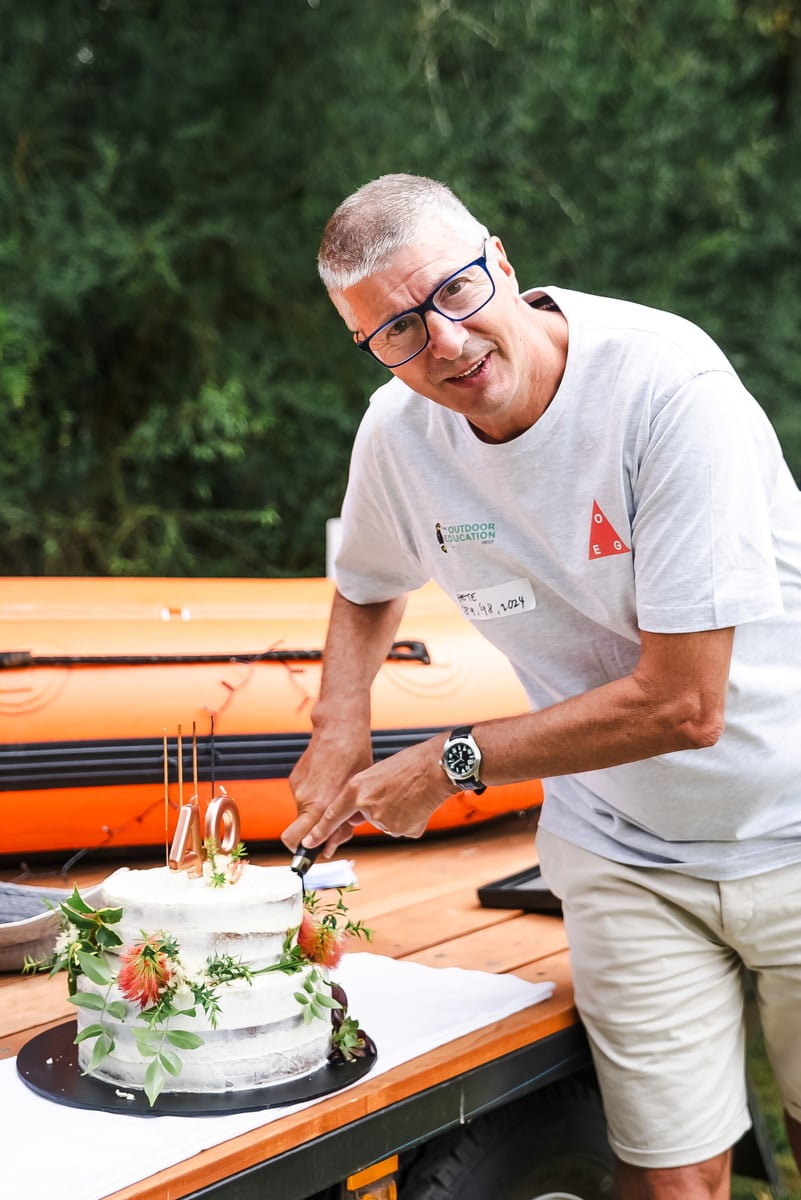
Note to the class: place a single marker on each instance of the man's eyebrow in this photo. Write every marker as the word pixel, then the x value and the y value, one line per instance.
pixel 437 283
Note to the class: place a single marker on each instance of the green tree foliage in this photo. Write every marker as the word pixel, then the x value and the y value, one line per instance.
pixel 177 396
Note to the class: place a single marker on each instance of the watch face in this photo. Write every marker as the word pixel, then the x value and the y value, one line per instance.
pixel 460 759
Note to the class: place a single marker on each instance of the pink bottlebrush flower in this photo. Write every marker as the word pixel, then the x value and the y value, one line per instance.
pixel 320 943
pixel 145 971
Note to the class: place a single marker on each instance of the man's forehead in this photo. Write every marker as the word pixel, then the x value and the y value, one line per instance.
pixel 409 277
pixel 436 251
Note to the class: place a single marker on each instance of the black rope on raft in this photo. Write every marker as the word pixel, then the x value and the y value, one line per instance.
pixel 213 755
pixel 16 660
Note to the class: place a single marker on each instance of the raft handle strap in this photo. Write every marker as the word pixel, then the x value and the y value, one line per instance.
pixel 12 660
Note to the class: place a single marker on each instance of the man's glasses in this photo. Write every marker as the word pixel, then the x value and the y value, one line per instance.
pixel 459 297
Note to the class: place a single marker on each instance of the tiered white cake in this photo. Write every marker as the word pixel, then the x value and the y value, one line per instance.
pixel 261 1036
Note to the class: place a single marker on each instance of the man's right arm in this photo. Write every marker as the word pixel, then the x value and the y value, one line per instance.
pixel 359 638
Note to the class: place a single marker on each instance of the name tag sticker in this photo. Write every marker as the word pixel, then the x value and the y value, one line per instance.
pixel 502 600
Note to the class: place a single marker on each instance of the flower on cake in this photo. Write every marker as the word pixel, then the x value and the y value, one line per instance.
pixel 321 937
pixel 145 970
pixel 319 943
pixel 67 937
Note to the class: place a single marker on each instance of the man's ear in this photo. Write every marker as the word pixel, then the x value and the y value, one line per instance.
pixel 502 260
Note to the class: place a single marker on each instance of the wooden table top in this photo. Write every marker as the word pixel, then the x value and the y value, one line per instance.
pixel 420 900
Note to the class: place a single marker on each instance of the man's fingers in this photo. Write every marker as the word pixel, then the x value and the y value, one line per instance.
pixel 294 834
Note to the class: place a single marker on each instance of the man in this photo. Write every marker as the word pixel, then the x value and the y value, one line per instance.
pixel 641 568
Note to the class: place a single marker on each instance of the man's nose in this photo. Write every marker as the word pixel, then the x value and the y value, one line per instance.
pixel 446 338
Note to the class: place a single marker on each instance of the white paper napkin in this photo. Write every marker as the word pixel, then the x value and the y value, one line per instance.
pixel 48 1150
pixel 335 874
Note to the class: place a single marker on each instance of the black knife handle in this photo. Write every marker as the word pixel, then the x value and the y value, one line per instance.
pixel 303 858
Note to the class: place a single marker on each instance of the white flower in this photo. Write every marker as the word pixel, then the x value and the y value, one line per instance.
pixel 68 935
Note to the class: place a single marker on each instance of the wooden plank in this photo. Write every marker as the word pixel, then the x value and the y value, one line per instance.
pixel 420 926
pixel 506 947
pixel 11 1044
pixel 409 899
pixel 423 870
pixel 556 969
pixel 32 1000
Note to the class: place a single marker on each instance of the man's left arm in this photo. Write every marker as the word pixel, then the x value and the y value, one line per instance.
pixel 674 699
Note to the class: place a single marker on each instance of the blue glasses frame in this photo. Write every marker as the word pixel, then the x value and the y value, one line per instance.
pixel 427 306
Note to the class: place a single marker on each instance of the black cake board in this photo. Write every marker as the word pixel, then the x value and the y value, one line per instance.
pixel 48 1064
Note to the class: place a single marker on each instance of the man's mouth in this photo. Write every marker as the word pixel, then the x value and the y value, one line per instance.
pixel 471 371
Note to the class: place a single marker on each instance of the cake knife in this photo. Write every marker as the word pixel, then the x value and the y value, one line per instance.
pixel 303 858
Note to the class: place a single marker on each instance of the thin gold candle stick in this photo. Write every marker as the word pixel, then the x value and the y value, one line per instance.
pixel 166 803
pixel 194 758
pixel 180 768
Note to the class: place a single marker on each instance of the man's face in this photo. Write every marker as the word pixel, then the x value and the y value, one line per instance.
pixel 480 367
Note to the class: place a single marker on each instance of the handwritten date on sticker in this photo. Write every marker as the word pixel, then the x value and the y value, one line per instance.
pixel 502 600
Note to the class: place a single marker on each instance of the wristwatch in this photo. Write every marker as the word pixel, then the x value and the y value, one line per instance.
pixel 461 761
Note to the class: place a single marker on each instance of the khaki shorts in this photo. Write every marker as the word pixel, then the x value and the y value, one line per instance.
pixel 657 960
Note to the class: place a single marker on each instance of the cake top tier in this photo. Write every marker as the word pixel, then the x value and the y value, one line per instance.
pixel 160 885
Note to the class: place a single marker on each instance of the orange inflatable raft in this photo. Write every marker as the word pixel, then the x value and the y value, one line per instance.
pixel 97 677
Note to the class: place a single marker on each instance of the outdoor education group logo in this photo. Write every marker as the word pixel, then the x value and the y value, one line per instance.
pixel 604 540
pixel 482 532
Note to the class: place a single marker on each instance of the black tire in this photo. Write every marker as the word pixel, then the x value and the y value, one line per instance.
pixel 551 1145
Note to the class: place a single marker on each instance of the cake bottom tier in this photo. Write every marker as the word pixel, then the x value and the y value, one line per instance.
pixel 228 1060
pixel 261 1038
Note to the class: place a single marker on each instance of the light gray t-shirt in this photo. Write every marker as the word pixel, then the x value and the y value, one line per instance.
pixel 652 494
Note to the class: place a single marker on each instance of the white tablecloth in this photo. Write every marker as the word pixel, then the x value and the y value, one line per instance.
pixel 51 1152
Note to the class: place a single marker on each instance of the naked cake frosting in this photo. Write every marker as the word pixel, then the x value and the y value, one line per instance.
pixel 209 957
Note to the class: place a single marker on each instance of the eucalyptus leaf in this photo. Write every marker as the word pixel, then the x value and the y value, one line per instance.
pixel 155 1078
pixel 183 1039
pixel 327 1001
pixel 88 1000
pixel 147 1042
pixel 91 1031
pixel 171 1062
pixel 101 1049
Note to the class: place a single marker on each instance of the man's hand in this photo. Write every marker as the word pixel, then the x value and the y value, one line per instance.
pixel 397 796
pixel 359 638
pixel 330 760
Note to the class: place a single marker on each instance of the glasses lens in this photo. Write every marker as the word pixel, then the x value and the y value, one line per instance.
pixel 464 293
pixel 399 340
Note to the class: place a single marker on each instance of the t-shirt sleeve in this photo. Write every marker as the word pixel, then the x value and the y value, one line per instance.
pixel 376 558
pixel 701 532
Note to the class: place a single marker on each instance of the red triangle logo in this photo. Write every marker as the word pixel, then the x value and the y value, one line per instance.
pixel 603 538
